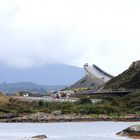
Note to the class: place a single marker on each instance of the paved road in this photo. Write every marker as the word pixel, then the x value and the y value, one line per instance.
pixel 50 99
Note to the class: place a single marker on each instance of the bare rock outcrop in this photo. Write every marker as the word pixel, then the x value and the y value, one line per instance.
pixel 132 132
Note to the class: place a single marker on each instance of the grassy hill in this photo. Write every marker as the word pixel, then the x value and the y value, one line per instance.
pixel 129 79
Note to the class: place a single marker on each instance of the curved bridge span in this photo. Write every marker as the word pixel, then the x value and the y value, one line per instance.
pixel 97 73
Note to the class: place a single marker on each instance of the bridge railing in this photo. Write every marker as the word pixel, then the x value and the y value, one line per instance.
pixel 110 91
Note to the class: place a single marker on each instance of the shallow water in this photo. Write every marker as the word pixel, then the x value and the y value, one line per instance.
pixel 64 131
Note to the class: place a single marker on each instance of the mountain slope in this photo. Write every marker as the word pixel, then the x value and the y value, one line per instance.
pixel 88 82
pixel 129 79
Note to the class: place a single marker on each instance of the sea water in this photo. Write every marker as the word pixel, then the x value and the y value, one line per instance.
pixel 64 131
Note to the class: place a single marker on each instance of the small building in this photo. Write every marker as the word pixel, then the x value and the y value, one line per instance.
pixel 26 94
pixel 64 93
pixel 67 92
pixel 23 93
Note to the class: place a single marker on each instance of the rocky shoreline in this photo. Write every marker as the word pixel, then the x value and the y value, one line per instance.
pixel 58 117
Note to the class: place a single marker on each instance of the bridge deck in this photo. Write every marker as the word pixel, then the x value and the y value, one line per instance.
pixel 102 94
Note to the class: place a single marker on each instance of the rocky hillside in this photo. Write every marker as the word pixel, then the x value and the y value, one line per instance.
pixel 129 79
pixel 88 82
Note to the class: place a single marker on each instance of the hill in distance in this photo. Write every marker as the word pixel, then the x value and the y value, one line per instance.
pixel 129 79
pixel 12 88
pixel 47 77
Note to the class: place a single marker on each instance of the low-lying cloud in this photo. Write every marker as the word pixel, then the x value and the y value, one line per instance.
pixel 34 33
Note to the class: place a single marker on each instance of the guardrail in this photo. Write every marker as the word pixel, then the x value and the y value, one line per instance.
pixel 110 91
pixel 50 99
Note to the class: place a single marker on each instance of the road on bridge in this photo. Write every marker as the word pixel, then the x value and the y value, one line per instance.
pixel 51 99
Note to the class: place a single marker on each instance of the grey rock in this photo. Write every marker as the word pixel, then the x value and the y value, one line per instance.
pixel 133 132
pixel 7 116
pixel 57 112
pixel 39 137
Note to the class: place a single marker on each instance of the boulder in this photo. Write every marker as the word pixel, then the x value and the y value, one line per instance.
pixel 39 137
pixel 104 116
pixel 132 132
pixel 7 116
pixel 57 113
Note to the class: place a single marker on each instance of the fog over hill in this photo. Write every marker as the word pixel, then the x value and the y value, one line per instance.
pixel 46 77
pixel 56 74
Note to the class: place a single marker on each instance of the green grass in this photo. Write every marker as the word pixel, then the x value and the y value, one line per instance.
pixel 115 107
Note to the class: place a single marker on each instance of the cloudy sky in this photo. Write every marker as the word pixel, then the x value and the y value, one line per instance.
pixel 40 32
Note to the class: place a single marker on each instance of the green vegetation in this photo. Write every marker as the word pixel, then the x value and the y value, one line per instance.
pixel 129 104
pixel 129 79
pixel 84 100
pixel 81 89
pixel 118 106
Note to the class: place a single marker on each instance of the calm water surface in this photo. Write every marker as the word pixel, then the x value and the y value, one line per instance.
pixel 64 131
